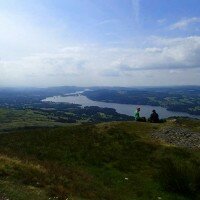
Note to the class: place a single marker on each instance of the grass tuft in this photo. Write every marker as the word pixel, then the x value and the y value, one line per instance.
pixel 180 177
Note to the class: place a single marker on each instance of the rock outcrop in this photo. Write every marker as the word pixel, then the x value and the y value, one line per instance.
pixel 178 136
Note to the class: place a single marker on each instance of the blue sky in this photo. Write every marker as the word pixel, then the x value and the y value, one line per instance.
pixel 99 42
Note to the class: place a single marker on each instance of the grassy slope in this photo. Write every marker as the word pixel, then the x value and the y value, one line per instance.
pixel 90 162
pixel 14 119
pixel 190 124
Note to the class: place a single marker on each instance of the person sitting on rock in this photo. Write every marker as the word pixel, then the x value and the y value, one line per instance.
pixel 137 116
pixel 154 118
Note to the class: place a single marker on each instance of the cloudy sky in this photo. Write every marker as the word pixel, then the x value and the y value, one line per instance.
pixel 99 42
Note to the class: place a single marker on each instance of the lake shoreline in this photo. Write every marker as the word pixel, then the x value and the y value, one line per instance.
pixel 128 109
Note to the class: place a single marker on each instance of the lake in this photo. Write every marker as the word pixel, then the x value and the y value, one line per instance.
pixel 127 109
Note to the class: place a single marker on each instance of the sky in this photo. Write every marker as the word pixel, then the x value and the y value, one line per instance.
pixel 99 43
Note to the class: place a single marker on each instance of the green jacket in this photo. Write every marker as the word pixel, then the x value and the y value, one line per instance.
pixel 137 115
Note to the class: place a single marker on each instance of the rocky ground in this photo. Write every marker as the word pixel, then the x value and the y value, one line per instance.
pixel 3 197
pixel 178 136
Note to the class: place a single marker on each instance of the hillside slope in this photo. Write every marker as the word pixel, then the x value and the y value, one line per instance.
pixel 108 161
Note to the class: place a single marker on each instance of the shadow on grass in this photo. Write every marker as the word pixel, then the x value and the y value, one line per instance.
pixel 180 177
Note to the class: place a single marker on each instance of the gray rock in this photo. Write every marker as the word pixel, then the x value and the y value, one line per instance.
pixel 178 136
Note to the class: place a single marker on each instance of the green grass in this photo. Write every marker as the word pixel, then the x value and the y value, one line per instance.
pixel 14 119
pixel 108 161
pixel 191 124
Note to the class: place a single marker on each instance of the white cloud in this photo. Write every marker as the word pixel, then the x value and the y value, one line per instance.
pixel 164 54
pixel 42 51
pixel 96 65
pixel 20 35
pixel 161 21
pixel 184 23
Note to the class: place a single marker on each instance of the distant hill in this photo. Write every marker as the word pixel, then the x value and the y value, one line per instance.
pixel 181 99
pixel 110 161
